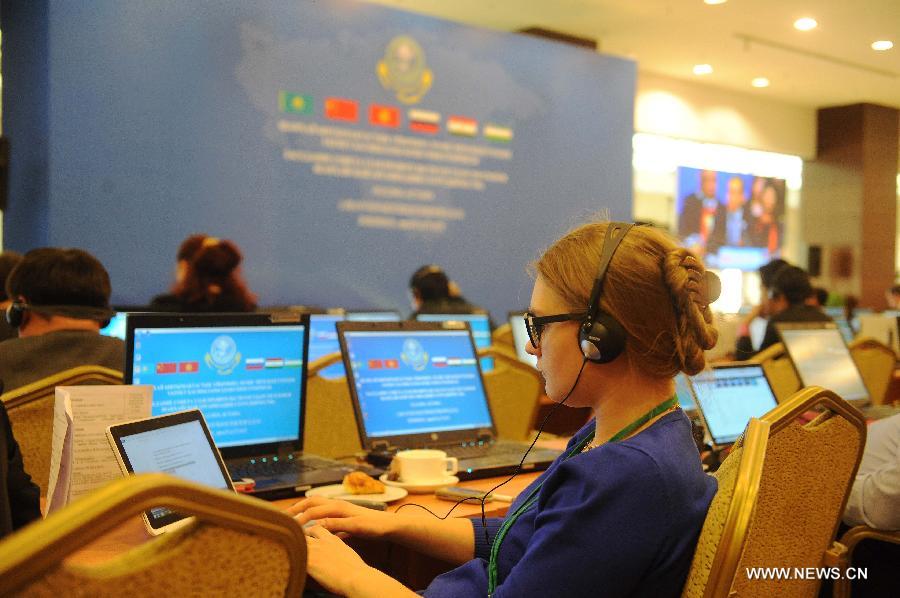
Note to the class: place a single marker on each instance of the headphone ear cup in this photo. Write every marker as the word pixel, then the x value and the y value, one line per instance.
pixel 602 340
pixel 14 314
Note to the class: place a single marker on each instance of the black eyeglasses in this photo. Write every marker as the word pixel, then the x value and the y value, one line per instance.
pixel 534 325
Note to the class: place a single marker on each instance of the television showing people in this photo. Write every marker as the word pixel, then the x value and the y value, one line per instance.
pixel 734 220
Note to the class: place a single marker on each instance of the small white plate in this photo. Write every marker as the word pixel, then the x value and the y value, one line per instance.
pixel 421 487
pixel 390 493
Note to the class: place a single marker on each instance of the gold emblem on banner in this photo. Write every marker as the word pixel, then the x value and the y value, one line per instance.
pixel 403 69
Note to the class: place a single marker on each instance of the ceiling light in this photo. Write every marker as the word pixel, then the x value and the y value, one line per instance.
pixel 702 69
pixel 805 24
pixel 714 1
pixel 760 82
pixel 882 45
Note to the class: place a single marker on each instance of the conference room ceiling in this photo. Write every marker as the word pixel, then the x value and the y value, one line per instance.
pixel 830 65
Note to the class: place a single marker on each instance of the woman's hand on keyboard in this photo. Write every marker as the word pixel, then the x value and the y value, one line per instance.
pixel 341 517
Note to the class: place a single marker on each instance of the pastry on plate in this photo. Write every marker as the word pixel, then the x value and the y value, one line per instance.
pixel 356 482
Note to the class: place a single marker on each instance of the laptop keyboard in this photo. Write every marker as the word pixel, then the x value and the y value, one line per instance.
pixel 268 467
pixel 469 451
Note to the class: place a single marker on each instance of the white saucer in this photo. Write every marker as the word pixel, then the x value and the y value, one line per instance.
pixel 421 487
pixel 390 494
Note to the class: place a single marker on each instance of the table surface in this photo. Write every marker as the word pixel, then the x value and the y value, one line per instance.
pixel 133 533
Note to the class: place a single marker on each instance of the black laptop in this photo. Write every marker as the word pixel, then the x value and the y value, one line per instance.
pixel 247 374
pixel 419 385
pixel 727 396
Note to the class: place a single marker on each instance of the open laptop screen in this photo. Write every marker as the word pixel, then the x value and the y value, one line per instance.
pixel 728 396
pixel 520 337
pixel 479 324
pixel 415 381
pixel 246 375
pixel 821 358
pixel 323 341
pixel 683 393
pixel 116 326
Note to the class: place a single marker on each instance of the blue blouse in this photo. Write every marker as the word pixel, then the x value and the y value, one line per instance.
pixel 619 520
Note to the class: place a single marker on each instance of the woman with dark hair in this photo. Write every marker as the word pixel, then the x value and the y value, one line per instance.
pixel 208 278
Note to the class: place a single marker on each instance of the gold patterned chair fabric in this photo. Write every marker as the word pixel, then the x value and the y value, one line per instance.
pixel 237 546
pixel 803 488
pixel 330 428
pixel 30 410
pixel 779 370
pixel 503 336
pixel 514 390
pixel 841 553
pixel 876 362
pixel 727 521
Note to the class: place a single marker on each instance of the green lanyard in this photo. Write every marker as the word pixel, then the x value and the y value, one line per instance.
pixel 532 498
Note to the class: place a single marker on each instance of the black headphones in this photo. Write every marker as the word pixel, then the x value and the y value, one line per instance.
pixel 17 309
pixel 601 337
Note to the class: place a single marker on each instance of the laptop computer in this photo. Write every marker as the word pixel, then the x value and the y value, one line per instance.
pixel 685 395
pixel 520 337
pixel 727 396
pixel 821 358
pixel 178 444
pixel 373 316
pixel 323 341
pixel 479 325
pixel 419 385
pixel 247 373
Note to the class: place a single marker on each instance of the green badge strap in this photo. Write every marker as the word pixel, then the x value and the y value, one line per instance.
pixel 532 498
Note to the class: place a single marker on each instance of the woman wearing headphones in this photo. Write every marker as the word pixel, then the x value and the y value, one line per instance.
pixel 616 312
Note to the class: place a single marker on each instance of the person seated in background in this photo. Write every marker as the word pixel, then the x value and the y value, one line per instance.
pixel 186 252
pixel 788 298
pixel 60 300
pixel 620 511
pixel 20 502
pixel 893 297
pixel 875 501
pixel 8 261
pixel 819 297
pixel 211 282
pixel 434 293
pixel 745 347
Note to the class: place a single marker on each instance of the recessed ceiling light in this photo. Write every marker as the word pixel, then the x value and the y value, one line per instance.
pixel 702 69
pixel 715 1
pixel 760 82
pixel 805 24
pixel 882 45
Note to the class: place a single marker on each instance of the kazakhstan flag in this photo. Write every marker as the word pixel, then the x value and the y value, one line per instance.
pixel 294 103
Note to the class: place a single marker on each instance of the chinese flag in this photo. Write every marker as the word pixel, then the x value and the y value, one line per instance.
pixel 341 109
pixel 166 368
pixel 384 116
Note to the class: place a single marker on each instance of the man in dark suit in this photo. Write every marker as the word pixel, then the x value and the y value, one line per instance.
pixel 702 219
pixel 788 303
pixel 60 301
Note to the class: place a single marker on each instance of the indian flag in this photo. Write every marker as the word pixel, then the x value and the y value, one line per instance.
pixel 274 362
pixel 498 133
pixel 424 121
pixel 461 125
pixel 295 103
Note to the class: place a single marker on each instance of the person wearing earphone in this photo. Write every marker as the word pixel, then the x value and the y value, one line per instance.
pixel 60 300
pixel 616 312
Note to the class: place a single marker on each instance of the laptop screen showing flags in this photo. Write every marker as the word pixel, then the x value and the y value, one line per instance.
pixel 479 324
pixel 821 358
pixel 416 381
pixel 247 380
pixel 729 396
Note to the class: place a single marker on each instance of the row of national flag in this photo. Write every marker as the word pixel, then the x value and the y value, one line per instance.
pixel 418 120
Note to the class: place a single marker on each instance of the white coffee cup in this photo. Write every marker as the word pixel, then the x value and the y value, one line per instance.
pixel 423 466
